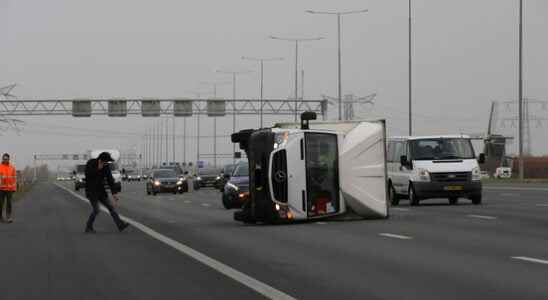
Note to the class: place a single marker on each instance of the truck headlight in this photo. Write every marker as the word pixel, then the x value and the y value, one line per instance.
pixel 157 183
pixel 423 175
pixel 476 174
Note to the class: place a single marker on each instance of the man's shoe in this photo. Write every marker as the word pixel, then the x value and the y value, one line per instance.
pixel 89 230
pixel 123 226
pixel 9 220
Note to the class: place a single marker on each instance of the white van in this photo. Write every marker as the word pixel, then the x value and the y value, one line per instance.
pixel 423 167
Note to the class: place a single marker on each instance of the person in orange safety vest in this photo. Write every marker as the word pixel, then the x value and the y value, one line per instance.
pixel 8 186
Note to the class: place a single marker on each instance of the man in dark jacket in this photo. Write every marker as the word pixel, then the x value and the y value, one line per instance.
pixel 98 174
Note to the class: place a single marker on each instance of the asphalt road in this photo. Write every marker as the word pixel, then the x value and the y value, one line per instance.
pixel 498 250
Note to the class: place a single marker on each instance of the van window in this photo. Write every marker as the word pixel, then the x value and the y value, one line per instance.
pixel 442 148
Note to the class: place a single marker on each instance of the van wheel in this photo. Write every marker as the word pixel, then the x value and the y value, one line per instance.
pixel 476 200
pixel 394 197
pixel 453 200
pixel 413 198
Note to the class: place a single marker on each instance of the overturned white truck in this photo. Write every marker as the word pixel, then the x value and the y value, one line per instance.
pixel 315 170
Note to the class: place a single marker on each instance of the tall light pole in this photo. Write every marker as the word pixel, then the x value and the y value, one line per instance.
pixel 214 85
pixel 410 75
pixel 234 74
pixel 198 96
pixel 261 61
pixel 520 91
pixel 296 41
pixel 338 14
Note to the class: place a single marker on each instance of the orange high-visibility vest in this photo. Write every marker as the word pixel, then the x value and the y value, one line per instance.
pixel 8 178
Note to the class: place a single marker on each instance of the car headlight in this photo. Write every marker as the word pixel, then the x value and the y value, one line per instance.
pixel 198 178
pixel 232 186
pixel 157 183
pixel 476 174
pixel 179 182
pixel 280 139
pixel 218 178
pixel 423 175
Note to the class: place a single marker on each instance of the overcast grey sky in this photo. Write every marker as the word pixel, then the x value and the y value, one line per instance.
pixel 465 55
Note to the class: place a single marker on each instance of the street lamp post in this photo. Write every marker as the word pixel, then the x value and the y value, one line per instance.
pixel 261 81
pixel 234 74
pixel 338 14
pixel 296 41
pixel 410 75
pixel 214 85
pixel 520 91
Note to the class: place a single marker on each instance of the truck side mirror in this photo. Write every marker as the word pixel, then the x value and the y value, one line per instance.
pixel 481 158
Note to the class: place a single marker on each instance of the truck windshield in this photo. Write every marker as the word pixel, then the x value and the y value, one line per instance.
pixel 322 176
pixel 442 148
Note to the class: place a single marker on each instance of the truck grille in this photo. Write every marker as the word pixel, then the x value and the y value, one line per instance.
pixel 451 177
pixel 279 176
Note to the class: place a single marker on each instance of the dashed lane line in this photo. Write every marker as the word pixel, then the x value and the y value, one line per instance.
pixel 482 217
pixel 531 259
pixel 396 236
pixel 254 284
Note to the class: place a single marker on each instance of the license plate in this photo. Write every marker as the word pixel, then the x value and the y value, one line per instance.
pixel 454 188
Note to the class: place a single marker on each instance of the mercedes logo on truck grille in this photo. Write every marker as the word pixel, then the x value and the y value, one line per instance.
pixel 280 176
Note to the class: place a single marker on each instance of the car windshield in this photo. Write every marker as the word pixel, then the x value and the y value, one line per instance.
pixel 165 174
pixel 208 171
pixel 241 170
pixel 441 148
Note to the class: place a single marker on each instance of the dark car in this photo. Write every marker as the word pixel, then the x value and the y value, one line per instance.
pixel 207 176
pixel 223 177
pixel 236 190
pixel 164 181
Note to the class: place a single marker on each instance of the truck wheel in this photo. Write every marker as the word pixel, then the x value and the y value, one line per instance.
pixel 476 200
pixel 413 198
pixel 453 200
pixel 394 197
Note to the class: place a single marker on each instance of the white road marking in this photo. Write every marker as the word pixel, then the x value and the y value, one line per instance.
pixel 531 259
pixel 396 236
pixel 482 217
pixel 400 209
pixel 206 204
pixel 188 201
pixel 321 223
pixel 254 284
pixel 542 205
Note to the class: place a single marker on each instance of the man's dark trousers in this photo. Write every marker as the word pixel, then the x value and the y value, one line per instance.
pixel 5 195
pixel 94 201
